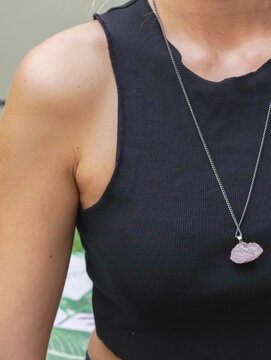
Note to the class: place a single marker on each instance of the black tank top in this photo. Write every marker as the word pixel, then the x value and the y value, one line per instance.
pixel 158 241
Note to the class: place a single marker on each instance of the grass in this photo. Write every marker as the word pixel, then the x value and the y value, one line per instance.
pixel 77 246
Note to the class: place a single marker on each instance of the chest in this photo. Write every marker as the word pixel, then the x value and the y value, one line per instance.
pixel 163 234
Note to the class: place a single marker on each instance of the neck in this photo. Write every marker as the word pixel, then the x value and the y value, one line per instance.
pixel 217 24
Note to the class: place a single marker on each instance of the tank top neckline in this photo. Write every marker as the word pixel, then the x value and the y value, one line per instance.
pixel 191 73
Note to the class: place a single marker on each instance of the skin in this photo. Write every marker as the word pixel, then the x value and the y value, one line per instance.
pixel 58 137
pixel 218 39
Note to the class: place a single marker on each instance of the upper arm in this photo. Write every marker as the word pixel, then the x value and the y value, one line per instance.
pixel 38 193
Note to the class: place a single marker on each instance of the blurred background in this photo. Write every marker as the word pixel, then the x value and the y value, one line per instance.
pixel 25 24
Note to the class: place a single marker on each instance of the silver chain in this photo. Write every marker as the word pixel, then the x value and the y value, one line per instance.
pixel 238 236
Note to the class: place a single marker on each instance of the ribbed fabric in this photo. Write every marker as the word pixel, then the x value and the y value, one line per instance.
pixel 158 241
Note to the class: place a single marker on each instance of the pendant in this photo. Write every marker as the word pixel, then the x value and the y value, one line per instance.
pixel 245 252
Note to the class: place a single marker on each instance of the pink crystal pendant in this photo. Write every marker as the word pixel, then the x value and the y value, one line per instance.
pixel 245 252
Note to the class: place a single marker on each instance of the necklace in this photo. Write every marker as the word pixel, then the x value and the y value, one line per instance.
pixel 243 252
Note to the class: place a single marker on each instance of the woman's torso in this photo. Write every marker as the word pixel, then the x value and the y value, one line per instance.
pixel 94 172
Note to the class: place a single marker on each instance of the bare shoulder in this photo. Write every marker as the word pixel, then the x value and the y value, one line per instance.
pixel 65 90
pixel 63 79
pixel 67 66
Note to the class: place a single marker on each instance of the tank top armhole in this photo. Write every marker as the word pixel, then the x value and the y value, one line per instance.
pixel 120 125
